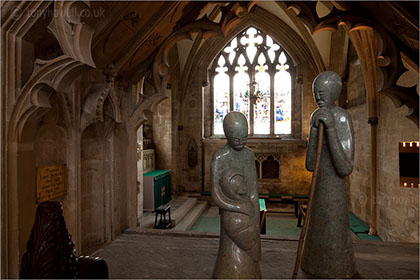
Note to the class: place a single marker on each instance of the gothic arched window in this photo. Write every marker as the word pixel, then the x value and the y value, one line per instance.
pixel 251 75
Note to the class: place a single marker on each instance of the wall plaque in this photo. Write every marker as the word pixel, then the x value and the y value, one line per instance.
pixel 51 182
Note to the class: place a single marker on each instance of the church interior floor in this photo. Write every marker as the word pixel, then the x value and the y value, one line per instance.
pixel 166 254
pixel 192 213
pixel 280 221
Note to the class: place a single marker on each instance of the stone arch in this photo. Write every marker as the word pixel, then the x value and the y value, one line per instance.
pixel 270 24
pixel 42 142
pixel 103 181
pixel 293 44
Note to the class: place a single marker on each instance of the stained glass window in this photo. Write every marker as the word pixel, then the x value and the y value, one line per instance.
pixel 283 98
pixel 221 95
pixel 251 75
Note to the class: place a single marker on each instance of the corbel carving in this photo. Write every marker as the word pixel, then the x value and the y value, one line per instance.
pixel 93 104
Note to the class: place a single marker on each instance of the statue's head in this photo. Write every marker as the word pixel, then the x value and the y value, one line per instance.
pixel 326 88
pixel 235 127
pixel 232 183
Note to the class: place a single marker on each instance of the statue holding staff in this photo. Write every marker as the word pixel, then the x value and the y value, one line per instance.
pixel 328 251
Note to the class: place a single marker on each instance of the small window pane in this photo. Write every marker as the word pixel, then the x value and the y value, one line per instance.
pixel 261 59
pixel 241 94
pixel 221 99
pixel 269 41
pixel 282 103
pixel 272 50
pixel 282 58
pixel 231 50
pixel 262 106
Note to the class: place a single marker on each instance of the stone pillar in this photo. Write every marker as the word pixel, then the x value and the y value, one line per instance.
pixel 367 45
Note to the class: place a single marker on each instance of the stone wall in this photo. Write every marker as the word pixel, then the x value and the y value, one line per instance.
pixel 190 136
pixel 359 179
pixel 165 124
pixel 93 187
pixel 398 208
pixel 95 207
pixel 162 134
pixel 294 179
pixel 308 102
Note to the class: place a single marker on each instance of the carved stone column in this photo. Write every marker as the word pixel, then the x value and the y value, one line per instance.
pixel 368 47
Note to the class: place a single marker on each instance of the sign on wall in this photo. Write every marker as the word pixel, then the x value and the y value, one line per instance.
pixel 51 182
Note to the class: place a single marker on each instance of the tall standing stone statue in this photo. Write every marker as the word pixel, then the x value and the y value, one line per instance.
pixel 235 191
pixel 328 251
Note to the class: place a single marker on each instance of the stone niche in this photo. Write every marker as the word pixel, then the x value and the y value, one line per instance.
pixel 280 164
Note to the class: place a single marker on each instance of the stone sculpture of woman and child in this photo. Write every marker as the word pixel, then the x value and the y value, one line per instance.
pixel 328 251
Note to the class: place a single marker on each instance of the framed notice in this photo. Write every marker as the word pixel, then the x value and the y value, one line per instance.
pixel 50 182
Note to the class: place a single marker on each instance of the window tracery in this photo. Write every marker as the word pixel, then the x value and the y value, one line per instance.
pixel 251 75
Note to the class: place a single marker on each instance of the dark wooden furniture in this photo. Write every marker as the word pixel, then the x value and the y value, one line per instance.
pixel 301 215
pixel 294 199
pixel 162 210
pixel 50 252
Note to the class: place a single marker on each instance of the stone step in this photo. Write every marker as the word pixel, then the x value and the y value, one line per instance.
pixel 178 214
pixel 189 220
pixel 148 220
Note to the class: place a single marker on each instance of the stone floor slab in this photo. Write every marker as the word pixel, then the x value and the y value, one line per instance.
pixel 162 255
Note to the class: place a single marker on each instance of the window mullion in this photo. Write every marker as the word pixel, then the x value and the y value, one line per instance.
pixel 251 105
pixel 212 101
pixel 272 96
pixel 231 90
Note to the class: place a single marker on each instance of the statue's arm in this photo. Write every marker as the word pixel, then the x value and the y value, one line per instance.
pixel 311 149
pixel 217 195
pixel 253 177
pixel 341 150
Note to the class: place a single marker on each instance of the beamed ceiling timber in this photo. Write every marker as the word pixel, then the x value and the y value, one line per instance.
pixel 133 35
pixel 82 61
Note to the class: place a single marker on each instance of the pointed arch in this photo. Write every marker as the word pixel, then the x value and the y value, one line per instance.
pixel 252 75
